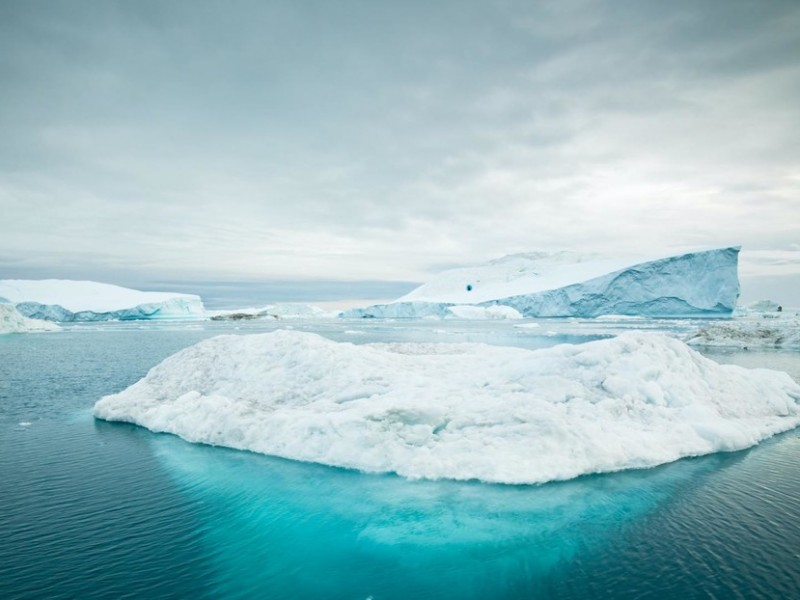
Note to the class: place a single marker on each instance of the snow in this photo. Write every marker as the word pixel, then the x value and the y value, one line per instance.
pixel 11 321
pixel 703 283
pixel 514 275
pixel 459 411
pixel 751 333
pixel 68 300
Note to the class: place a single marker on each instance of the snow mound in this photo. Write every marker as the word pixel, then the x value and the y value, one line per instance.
pixel 66 300
pixel 459 411
pixel 776 333
pixel 11 321
pixel 703 283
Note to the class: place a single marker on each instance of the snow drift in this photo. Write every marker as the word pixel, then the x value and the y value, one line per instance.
pixel 459 411
pixel 66 301
pixel 565 284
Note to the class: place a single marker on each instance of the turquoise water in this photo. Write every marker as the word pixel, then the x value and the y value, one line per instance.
pixel 90 509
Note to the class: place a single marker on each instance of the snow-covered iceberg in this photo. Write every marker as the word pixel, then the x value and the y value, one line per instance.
pixel 459 411
pixel 565 284
pixel 12 321
pixel 67 301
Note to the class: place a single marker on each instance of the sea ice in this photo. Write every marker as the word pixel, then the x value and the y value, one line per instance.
pixel 459 411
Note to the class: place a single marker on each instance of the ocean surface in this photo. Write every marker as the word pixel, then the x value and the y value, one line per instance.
pixel 90 509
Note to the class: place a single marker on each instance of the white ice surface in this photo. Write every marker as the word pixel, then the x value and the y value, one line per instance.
pixel 76 296
pixel 517 274
pixel 565 284
pixel 11 321
pixel 460 411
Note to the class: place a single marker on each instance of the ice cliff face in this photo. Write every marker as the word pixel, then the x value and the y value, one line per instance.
pixel 11 321
pixel 696 284
pixel 70 301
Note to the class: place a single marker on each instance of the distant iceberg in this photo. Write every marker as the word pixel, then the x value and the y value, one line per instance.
pixel 459 411
pixel 750 333
pixel 67 301
pixel 285 310
pixel 12 321
pixel 565 284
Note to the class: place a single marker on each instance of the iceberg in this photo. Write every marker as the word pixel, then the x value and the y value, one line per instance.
pixel 762 307
pixel 564 284
pixel 286 310
pixel 459 411
pixel 750 334
pixel 68 301
pixel 12 321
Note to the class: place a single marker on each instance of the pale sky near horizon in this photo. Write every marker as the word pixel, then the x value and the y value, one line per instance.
pixel 314 143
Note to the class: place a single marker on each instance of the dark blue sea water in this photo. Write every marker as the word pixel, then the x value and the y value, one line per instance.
pixel 90 509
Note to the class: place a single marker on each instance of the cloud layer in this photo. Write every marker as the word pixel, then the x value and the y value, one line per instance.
pixel 364 140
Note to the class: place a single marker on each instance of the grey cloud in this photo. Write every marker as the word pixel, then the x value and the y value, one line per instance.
pixel 358 138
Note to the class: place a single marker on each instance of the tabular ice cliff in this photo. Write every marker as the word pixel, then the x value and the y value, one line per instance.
pixel 695 284
pixel 70 301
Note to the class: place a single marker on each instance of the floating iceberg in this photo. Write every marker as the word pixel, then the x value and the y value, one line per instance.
pixel 12 321
pixel 459 411
pixel 565 284
pixel 287 310
pixel 750 333
pixel 763 307
pixel 66 301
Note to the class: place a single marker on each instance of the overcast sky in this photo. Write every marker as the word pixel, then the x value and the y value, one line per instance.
pixel 178 142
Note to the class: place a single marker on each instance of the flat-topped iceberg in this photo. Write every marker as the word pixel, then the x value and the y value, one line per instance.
pixel 12 321
pixel 565 284
pixel 67 301
pixel 459 411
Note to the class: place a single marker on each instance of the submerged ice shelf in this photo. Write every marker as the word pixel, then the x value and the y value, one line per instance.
pixel 459 411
